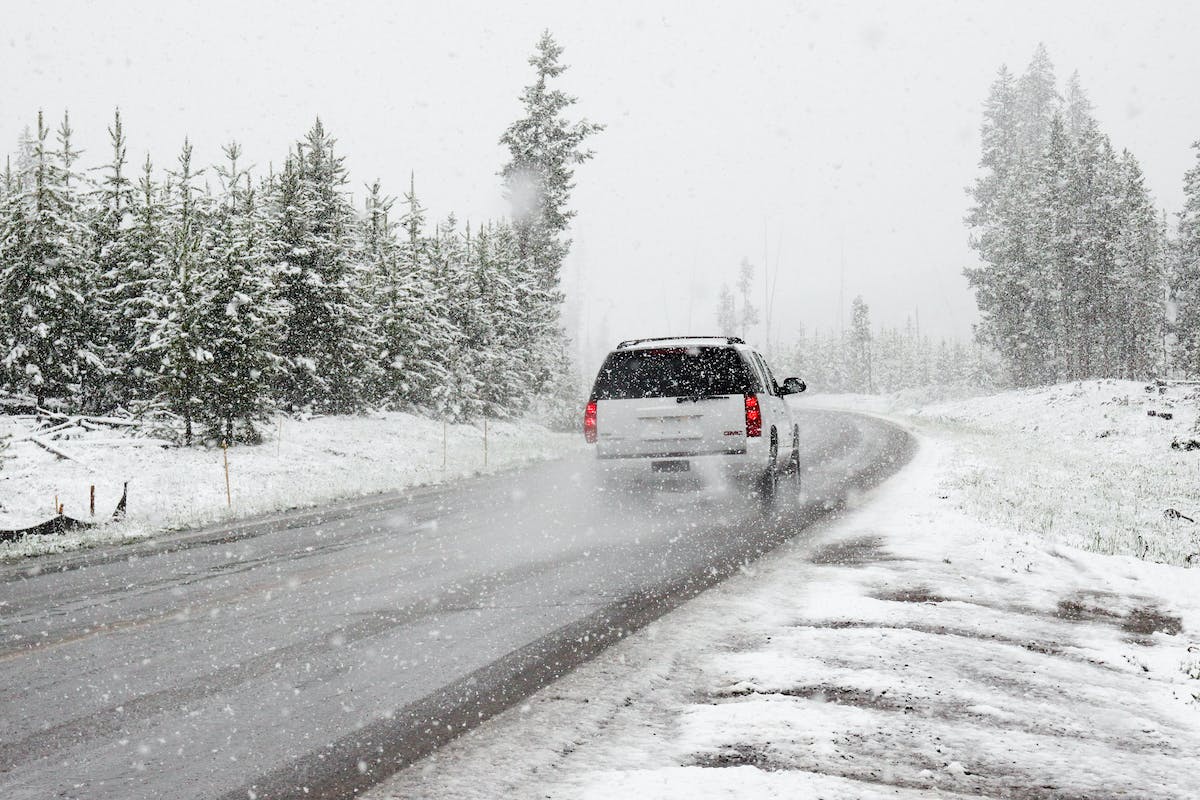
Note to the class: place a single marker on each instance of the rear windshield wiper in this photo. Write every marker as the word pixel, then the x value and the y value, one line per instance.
pixel 696 398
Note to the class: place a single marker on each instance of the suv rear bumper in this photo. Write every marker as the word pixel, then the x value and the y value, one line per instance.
pixel 684 468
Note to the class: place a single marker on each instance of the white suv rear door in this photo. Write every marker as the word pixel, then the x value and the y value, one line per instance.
pixel 671 402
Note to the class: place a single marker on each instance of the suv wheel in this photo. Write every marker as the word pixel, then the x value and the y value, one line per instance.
pixel 793 466
pixel 768 482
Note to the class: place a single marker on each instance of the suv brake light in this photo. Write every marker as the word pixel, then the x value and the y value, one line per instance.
pixel 753 416
pixel 589 422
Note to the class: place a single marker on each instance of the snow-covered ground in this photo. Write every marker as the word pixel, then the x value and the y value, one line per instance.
pixel 302 463
pixel 943 639
pixel 1086 464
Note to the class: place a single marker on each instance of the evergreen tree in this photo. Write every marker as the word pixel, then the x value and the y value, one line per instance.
pixel 119 287
pixel 727 320
pixel 1137 304
pixel 176 333
pixel 327 345
pixel 1186 278
pixel 240 317
pixel 544 148
pixel 859 351
pixel 1048 277
pixel 417 337
pixel 1071 281
pixel 749 316
pixel 137 292
pixel 458 397
pixel 491 331
pixel 1038 102
pixel 44 274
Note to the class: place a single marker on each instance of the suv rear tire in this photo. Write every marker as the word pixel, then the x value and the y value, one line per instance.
pixel 768 482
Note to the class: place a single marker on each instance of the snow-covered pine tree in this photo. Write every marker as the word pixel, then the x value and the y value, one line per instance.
pixel 44 274
pixel 1062 227
pixel 137 292
pixel 544 147
pixel 91 370
pixel 1092 224
pixel 748 317
pixel 327 345
pixel 113 203
pixel 798 358
pixel 886 366
pixel 176 333
pixel 1048 275
pixel 1186 275
pixel 1014 301
pixel 727 319
pixel 240 317
pixel 493 334
pixel 1136 308
pixel 1038 101
pixel 858 355
pixel 997 221
pixel 8 185
pixel 417 335
pixel 447 252
pixel 380 253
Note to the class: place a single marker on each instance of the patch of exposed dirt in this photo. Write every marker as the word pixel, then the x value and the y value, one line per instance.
pixel 738 755
pixel 1082 607
pixel 852 553
pixel 915 594
pixel 1142 621
pixel 1034 646
pixel 842 695
pixel 1147 620
pixel 744 754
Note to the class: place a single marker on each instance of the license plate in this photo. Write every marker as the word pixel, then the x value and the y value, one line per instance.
pixel 670 466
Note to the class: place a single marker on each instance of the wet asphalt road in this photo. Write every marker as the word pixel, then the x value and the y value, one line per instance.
pixel 313 654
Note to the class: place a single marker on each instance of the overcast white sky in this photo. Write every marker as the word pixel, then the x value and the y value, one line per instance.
pixel 817 127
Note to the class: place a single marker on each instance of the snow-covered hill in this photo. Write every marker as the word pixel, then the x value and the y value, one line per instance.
pixel 1100 465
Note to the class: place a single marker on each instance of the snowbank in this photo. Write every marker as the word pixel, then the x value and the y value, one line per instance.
pixel 1090 464
pixel 302 463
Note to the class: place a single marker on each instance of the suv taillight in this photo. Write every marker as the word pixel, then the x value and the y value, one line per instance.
pixel 589 422
pixel 753 416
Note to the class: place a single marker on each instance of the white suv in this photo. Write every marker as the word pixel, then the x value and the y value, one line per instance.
pixel 701 404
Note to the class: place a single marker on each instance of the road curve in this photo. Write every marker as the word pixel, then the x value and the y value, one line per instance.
pixel 313 654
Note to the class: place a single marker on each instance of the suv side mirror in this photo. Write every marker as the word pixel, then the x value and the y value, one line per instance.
pixel 793 386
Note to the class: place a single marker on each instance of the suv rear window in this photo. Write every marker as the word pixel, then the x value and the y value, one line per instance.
pixel 672 372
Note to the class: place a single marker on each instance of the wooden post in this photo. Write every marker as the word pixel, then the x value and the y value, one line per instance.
pixel 92 500
pixel 57 507
pixel 228 494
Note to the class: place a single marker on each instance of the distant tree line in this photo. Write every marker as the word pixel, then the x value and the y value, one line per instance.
pixel 868 360
pixel 222 297
pixel 1075 259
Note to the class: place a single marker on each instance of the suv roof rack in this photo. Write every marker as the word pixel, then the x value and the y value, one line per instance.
pixel 632 342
